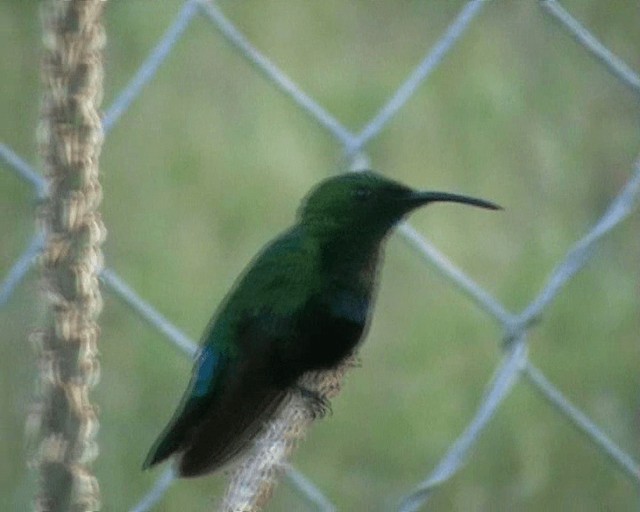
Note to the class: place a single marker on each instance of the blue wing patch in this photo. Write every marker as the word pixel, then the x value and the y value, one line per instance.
pixel 208 362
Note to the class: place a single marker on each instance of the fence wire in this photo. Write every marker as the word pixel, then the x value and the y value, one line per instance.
pixel 515 362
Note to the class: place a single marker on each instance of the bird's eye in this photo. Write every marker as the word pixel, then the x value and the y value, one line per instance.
pixel 362 193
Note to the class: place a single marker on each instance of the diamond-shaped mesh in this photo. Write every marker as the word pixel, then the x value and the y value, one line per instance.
pixel 247 486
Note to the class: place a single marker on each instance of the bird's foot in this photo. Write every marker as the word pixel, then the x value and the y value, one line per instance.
pixel 354 362
pixel 318 405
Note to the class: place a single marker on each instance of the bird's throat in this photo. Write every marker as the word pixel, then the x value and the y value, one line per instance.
pixel 351 264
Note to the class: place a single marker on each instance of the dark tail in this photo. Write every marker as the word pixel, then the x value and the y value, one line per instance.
pixel 229 431
pixel 168 443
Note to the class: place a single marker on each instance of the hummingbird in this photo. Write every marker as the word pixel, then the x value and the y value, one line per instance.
pixel 303 304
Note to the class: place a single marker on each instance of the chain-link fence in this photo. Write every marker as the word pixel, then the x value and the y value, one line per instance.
pixel 515 364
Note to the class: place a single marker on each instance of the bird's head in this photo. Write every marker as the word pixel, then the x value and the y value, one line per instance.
pixel 367 203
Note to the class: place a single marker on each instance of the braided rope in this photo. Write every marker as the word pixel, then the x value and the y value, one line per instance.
pixel 254 480
pixel 63 422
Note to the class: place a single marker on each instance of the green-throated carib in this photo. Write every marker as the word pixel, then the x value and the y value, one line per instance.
pixel 302 304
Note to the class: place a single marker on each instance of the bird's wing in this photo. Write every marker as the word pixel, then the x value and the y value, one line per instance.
pixel 208 369
pixel 241 403
pixel 225 405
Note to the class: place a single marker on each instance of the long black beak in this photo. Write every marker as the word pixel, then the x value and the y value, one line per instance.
pixel 422 198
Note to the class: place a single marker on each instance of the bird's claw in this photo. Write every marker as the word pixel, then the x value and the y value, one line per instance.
pixel 317 404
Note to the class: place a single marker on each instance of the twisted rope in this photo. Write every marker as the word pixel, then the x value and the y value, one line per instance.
pixel 254 480
pixel 63 422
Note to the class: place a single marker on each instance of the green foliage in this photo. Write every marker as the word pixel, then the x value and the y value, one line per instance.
pixel 211 161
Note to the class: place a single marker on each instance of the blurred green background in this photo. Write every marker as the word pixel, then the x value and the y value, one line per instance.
pixel 211 161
